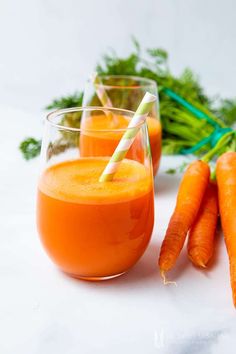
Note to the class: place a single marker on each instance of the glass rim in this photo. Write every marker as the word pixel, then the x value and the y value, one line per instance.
pixel 146 82
pixel 62 111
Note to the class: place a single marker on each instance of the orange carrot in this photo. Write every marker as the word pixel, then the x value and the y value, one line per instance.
pixel 190 194
pixel 202 233
pixel 226 179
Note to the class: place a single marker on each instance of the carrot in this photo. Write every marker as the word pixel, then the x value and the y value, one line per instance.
pixel 226 179
pixel 202 233
pixel 190 194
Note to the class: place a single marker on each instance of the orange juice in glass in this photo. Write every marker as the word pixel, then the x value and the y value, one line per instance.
pixel 93 230
pixel 126 92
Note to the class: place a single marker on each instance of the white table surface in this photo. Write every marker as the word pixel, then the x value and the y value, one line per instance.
pixel 42 311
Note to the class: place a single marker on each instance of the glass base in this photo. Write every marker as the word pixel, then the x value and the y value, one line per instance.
pixel 96 278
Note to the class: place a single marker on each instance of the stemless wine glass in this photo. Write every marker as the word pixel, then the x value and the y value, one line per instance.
pixel 93 230
pixel 126 92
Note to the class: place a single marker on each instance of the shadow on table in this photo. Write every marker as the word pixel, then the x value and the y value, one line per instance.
pixel 165 183
pixel 219 240
pixel 144 271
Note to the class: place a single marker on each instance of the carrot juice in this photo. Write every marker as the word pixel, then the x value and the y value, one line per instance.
pixel 91 229
pixel 104 144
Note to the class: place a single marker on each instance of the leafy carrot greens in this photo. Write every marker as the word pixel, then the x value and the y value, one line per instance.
pixel 181 129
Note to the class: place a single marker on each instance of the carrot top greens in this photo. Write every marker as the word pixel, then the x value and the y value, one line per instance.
pixel 182 129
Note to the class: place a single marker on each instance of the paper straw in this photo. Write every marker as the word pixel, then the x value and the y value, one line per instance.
pixel 100 91
pixel 103 97
pixel 128 137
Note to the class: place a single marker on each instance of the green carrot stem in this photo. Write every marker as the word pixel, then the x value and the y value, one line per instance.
pixel 221 143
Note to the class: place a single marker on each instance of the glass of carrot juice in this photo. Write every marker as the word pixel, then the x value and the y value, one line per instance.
pixel 126 92
pixel 93 230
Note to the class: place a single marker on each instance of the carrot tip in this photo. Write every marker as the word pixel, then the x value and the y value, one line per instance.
pixel 199 264
pixel 165 280
pixel 197 261
pixel 202 265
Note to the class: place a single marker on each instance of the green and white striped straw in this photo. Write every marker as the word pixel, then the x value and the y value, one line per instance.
pixel 103 97
pixel 100 91
pixel 128 137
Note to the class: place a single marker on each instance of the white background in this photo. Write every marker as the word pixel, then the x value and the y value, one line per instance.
pixel 49 47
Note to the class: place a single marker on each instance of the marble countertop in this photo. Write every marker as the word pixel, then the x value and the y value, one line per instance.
pixel 44 311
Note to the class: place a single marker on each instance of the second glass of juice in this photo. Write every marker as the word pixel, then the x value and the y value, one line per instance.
pixel 93 230
pixel 125 91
